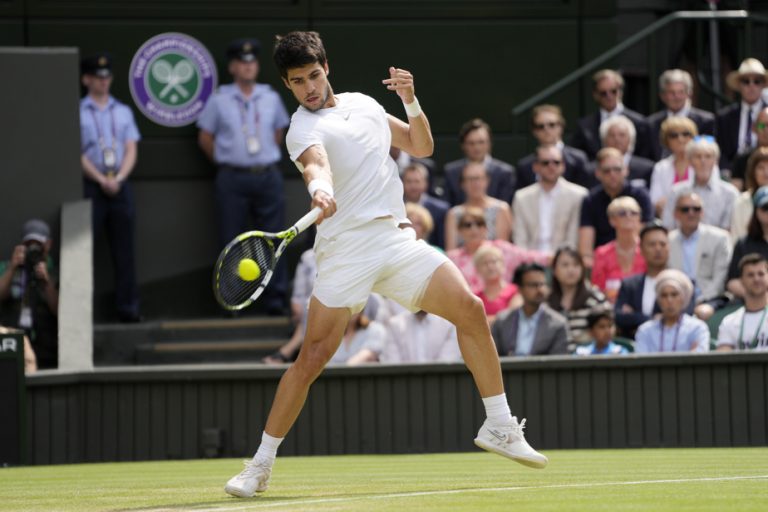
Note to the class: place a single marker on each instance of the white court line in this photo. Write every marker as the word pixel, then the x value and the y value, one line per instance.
pixel 255 505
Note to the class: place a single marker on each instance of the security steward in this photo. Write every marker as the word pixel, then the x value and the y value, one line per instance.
pixel 109 138
pixel 241 131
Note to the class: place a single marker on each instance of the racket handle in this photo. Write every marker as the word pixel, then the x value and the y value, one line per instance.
pixel 309 219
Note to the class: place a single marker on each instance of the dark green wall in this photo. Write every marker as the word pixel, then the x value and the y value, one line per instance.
pixel 470 58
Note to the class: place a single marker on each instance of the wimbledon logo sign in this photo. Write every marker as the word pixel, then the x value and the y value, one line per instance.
pixel 171 77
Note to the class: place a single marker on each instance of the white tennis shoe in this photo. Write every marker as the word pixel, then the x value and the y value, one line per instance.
pixel 254 478
pixel 509 441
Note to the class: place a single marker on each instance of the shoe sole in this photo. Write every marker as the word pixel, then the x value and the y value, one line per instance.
pixel 536 464
pixel 237 493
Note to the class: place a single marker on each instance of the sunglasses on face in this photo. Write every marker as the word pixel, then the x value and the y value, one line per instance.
pixel 764 208
pixel 626 213
pixel 608 92
pixel 550 162
pixel 675 135
pixel 752 81
pixel 689 209
pixel 541 126
pixel 469 224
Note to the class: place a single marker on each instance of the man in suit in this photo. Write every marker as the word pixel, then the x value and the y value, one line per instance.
pixel 703 252
pixel 675 91
pixel 546 213
pixel 415 182
pixel 734 122
pixel 636 302
pixel 619 132
pixel 547 125
pixel 739 171
pixel 475 139
pixel 534 328
pixel 607 91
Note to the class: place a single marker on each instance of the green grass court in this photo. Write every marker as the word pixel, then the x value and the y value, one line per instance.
pixel 717 479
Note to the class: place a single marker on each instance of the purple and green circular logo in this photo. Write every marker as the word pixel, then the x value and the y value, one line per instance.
pixel 171 77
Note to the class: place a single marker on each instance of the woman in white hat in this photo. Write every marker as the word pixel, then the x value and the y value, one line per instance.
pixel 675 331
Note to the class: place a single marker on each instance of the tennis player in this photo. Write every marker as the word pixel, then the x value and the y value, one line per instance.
pixel 341 142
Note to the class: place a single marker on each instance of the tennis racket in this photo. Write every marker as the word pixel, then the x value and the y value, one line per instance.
pixel 247 263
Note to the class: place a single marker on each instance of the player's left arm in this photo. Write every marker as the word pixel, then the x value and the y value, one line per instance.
pixel 415 137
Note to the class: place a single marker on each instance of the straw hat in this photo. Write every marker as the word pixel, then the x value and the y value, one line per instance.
pixel 748 67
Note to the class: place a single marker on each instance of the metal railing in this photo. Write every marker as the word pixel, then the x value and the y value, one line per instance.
pixel 647 32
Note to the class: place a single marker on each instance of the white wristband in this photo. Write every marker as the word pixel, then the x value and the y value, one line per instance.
pixel 318 184
pixel 413 109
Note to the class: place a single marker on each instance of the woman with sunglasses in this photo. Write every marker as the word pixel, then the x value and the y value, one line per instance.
pixel 497 213
pixel 474 231
pixel 755 177
pixel 675 134
pixel 755 241
pixel 621 257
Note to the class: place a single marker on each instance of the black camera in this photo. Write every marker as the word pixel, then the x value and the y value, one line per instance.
pixel 33 256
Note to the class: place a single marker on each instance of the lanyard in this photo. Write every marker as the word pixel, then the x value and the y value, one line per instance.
pixel 753 342
pixel 242 105
pixel 677 331
pixel 98 128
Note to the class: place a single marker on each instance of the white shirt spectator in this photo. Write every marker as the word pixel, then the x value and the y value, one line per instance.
pixel 420 338
pixel 744 330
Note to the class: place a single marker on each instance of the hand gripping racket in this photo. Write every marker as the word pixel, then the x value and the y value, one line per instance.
pixel 247 263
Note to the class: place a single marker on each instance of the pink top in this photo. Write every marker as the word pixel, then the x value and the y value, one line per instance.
pixel 501 302
pixel 678 179
pixel 512 254
pixel 606 272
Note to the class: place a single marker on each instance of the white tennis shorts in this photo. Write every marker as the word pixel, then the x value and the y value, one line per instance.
pixel 375 257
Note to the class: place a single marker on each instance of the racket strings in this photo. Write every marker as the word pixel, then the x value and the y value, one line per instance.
pixel 234 290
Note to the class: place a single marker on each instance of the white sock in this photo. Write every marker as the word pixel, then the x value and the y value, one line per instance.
pixel 497 409
pixel 268 447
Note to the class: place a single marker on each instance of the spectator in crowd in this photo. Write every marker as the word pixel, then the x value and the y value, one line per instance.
pixel 420 338
pixel 675 331
pixel 601 330
pixel 546 213
pixel 474 232
pixel 497 293
pixel 498 215
pixel 415 178
pixel 421 221
pixel 755 241
pixel 735 122
pixel 676 91
pixel 676 133
pixel 403 160
pixel 760 127
pixel 108 147
pixel 547 125
pixel 718 195
pixel 619 132
pixel 363 340
pixel 607 91
pixel 636 302
pixel 534 328
pixel 595 229
pixel 241 131
pixel 475 139
pixel 746 328
pixel 702 252
pixel 29 296
pixel 30 360
pixel 303 282
pixel 756 176
pixel 621 257
pixel 573 296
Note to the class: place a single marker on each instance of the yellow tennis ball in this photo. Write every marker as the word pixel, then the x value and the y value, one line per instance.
pixel 248 270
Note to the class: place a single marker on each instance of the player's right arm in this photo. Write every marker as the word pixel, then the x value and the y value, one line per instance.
pixel 314 161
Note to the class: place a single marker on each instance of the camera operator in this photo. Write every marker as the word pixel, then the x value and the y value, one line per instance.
pixel 29 298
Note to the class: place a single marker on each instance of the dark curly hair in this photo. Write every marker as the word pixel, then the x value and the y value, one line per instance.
pixel 297 49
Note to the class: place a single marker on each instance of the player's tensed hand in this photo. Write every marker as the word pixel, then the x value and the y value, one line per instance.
pixel 326 203
pixel 401 81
